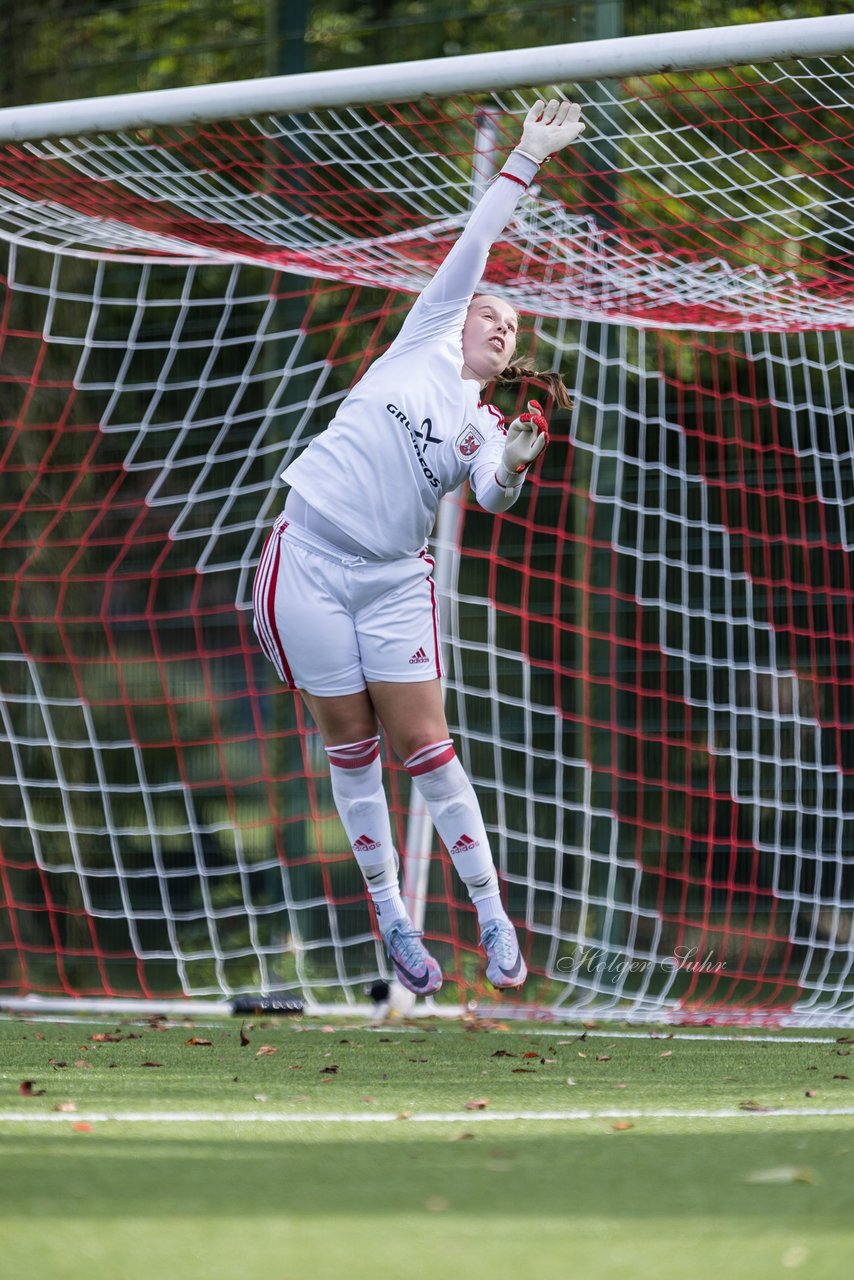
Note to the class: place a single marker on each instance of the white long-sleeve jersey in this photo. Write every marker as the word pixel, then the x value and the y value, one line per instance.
pixel 413 428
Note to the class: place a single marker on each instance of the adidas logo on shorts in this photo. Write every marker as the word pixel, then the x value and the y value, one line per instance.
pixel 464 844
pixel 420 656
pixel 365 844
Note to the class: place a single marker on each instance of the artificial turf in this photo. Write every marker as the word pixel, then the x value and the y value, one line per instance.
pixel 287 1150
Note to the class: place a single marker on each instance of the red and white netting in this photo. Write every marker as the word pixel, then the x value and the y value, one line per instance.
pixel 650 656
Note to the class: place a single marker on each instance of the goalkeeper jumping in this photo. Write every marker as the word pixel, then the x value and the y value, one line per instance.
pixel 345 605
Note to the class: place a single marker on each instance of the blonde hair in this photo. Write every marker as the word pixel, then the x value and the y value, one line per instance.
pixel 523 370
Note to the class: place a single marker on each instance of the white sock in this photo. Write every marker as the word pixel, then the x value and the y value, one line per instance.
pixel 357 788
pixel 450 797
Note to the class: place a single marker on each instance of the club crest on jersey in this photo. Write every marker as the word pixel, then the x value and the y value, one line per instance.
pixel 469 441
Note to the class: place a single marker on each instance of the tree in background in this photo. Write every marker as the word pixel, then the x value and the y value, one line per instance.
pixel 73 48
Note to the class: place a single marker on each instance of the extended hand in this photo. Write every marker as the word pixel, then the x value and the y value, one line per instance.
pixel 549 127
pixel 527 437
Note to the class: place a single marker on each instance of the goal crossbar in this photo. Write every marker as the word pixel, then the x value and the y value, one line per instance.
pixel 580 62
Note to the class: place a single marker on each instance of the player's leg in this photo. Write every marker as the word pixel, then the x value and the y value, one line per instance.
pixel 348 726
pixel 414 720
pixel 395 634
pixel 306 628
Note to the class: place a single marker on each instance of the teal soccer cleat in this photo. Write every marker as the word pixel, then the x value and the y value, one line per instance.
pixel 505 966
pixel 415 967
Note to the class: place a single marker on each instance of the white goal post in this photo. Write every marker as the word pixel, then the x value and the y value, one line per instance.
pixel 561 64
pixel 650 663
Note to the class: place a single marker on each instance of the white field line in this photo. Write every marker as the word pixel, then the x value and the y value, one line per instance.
pixel 688 1035
pixel 383 1028
pixel 423 1117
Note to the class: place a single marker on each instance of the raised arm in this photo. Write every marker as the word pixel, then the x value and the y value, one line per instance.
pixel 548 128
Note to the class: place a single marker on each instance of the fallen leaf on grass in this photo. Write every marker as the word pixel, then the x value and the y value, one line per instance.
pixel 152 1064
pixel 65 1106
pixel 620 1125
pixel 244 1039
pixel 404 1115
pixel 26 1090
pixel 261 1097
pixel 842 1077
pixel 476 1104
pixel 82 1127
pixel 266 1050
pixel 750 1105
pixel 503 1053
pixel 329 1071
pixel 668 1053
pixel 810 1093
pixel 603 1057
pixel 104 1037
pixel 783 1175
pixel 197 1040
pixel 845 1039
pixel 524 1071
pixel 81 1062
pixel 461 1137
pixel 533 1054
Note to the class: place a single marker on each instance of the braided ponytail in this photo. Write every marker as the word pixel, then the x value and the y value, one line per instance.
pixel 523 370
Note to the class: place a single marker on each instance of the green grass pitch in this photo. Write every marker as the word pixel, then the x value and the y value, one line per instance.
pixel 285 1149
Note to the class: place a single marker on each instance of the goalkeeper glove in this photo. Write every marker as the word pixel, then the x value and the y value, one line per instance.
pixel 527 437
pixel 549 127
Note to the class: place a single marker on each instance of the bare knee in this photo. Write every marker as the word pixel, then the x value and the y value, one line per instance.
pixel 413 715
pixel 348 718
pixel 409 744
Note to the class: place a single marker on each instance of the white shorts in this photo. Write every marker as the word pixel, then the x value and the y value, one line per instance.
pixel 331 622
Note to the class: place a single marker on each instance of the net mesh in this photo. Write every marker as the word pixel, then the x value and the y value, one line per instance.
pixel 649 656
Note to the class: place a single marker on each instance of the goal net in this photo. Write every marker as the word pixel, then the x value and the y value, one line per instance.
pixel 649 657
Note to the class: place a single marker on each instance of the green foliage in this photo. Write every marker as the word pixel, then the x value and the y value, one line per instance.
pixel 73 48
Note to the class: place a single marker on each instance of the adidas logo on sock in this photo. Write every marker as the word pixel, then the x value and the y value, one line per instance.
pixel 420 656
pixel 365 844
pixel 464 844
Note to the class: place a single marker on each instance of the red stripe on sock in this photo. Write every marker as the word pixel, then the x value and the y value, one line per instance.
pixel 356 755
pixel 431 763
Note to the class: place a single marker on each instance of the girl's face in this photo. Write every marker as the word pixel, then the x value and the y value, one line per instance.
pixel 489 337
